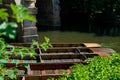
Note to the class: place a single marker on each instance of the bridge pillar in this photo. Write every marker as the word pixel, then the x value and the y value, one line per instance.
pixel 27 30
pixel 48 14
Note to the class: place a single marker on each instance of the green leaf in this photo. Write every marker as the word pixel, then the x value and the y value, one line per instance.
pixel 11 74
pixel 0 52
pixel 3 14
pixel 2 45
pixel 20 13
pixel 44 46
pixel 1 77
pixel 25 66
pixel 47 39
pixel 9 29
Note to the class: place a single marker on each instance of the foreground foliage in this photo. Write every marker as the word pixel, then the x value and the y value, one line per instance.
pixel 99 68
pixel 19 13
pixel 8 29
pixel 6 50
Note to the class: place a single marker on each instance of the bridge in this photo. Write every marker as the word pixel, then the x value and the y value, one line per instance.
pixel 28 30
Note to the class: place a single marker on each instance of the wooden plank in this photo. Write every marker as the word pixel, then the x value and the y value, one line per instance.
pixel 42 67
pixel 43 77
pixel 103 55
pixel 60 55
pixel 66 49
pixel 49 56
pixel 67 55
pixel 91 45
pixel 57 50
pixel 11 65
pixel 62 44
pixel 66 45
pixel 68 71
pixel 53 66
pixel 102 50
pixel 56 59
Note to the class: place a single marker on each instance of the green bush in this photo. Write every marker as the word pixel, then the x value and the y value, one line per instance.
pixel 99 68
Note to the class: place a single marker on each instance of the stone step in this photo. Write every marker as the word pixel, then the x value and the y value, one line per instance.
pixel 29 3
pixel 29 38
pixel 32 10
pixel 30 31
pixel 27 23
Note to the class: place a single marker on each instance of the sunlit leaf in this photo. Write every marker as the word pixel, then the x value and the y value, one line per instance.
pixel 9 29
pixel 1 78
pixel 3 14
pixel 20 13
pixel 12 74
pixel 47 39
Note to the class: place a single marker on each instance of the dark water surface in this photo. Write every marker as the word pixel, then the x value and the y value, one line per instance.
pixel 77 37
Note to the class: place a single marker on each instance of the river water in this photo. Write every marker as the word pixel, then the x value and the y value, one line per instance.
pixel 77 37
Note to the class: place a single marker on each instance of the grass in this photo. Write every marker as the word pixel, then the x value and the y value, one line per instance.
pixel 77 37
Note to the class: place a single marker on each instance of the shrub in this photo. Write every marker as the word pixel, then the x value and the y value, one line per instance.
pixel 99 68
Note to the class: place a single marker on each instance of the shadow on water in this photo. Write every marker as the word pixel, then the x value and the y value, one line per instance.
pixel 77 37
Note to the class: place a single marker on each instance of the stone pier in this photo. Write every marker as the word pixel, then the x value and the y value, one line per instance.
pixel 27 30
pixel 48 14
